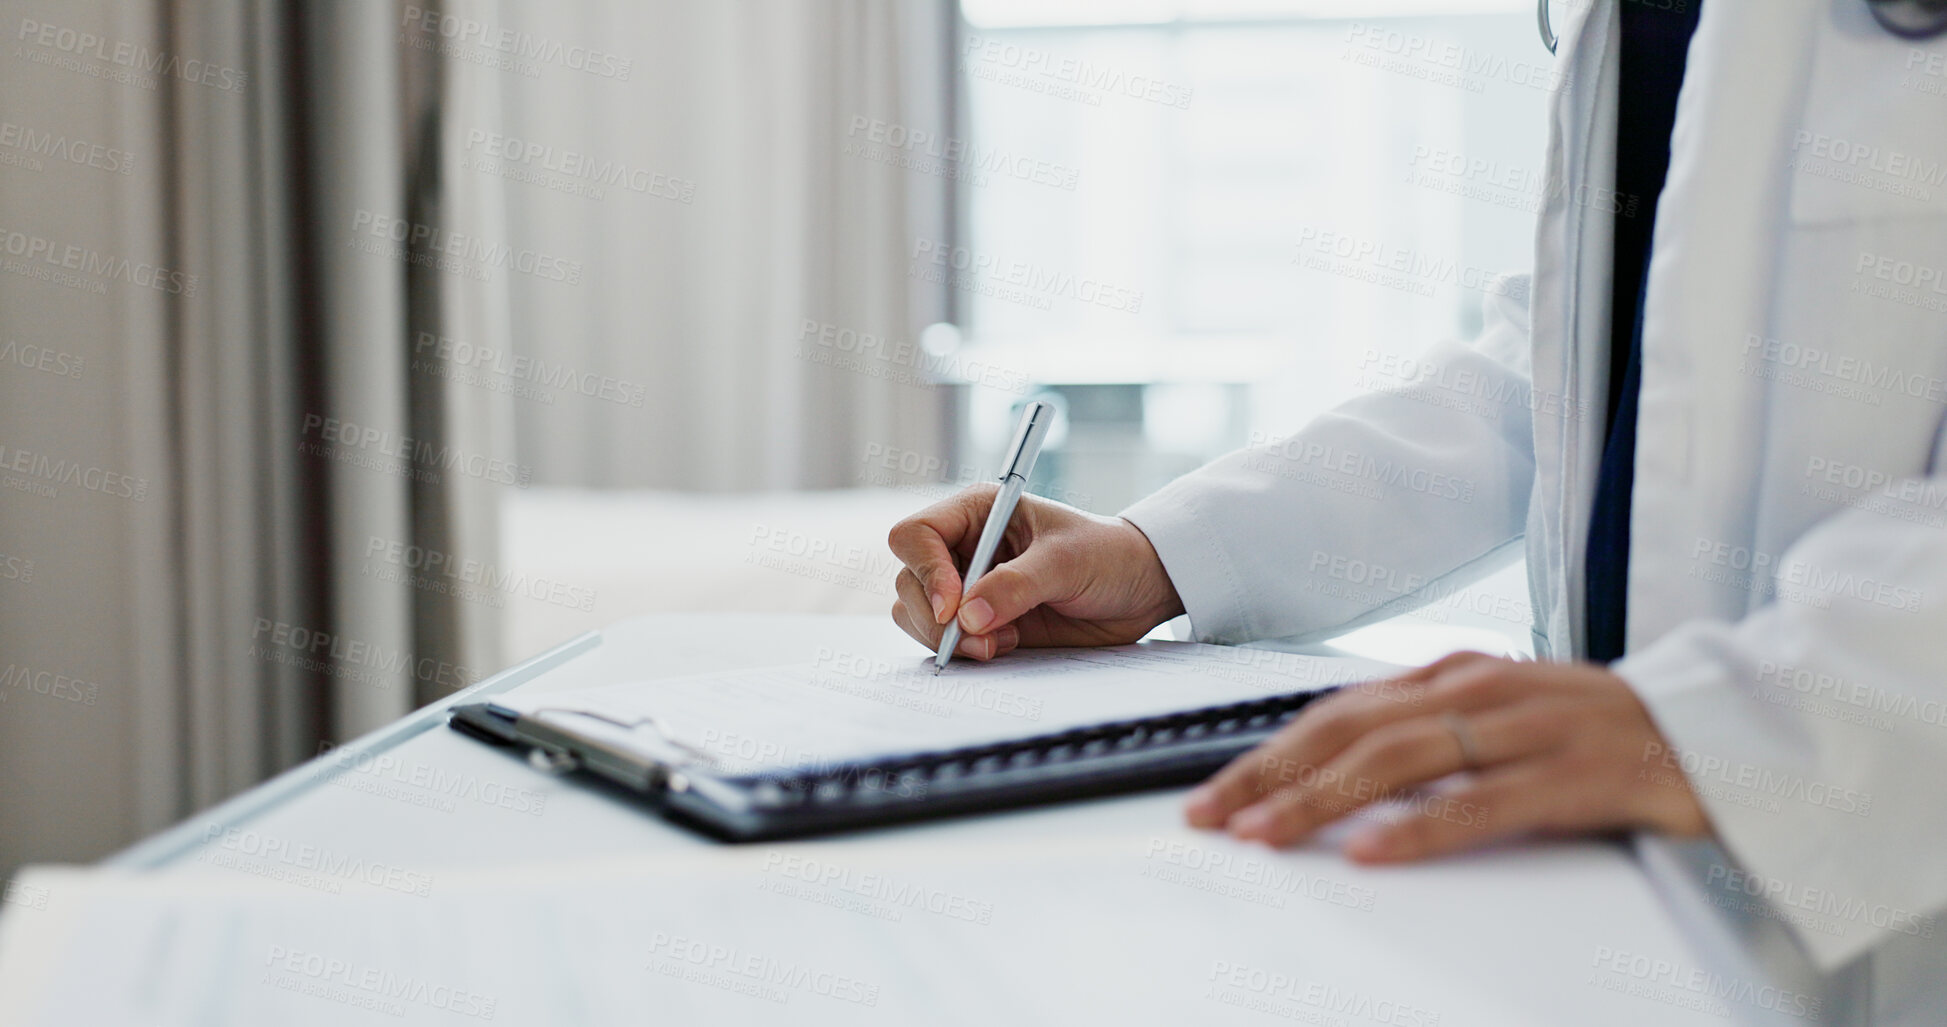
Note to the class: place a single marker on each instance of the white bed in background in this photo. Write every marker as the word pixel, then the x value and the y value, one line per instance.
pixel 644 551
pixel 797 552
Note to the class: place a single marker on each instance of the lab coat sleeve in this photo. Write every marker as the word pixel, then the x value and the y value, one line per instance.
pixel 1814 731
pixel 1396 498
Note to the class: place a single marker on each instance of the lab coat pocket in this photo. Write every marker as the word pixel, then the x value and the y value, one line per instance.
pixel 1872 141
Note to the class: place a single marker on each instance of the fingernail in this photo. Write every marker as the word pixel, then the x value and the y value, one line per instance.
pixel 1251 822
pixel 939 608
pixel 1200 805
pixel 1373 845
pixel 975 616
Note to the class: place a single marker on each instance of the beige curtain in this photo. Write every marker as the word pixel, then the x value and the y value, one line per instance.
pixel 230 500
pixel 249 464
pixel 704 166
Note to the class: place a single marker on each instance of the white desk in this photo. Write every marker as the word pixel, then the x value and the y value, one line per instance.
pixel 430 877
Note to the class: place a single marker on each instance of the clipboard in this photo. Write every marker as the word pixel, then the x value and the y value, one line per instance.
pixel 1103 759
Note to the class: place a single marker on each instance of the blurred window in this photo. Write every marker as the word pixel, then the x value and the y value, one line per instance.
pixel 1199 219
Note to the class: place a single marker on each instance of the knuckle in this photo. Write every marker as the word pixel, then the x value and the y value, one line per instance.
pixel 999 583
pixel 1333 713
pixel 1456 661
pixel 1275 772
pixel 1388 746
pixel 1246 775
pixel 1007 590
pixel 1333 722
pixel 977 497
pixel 1584 762
pixel 1549 720
pixel 910 588
pixel 904 534
pixel 1228 790
pixel 1474 685
pixel 1247 767
pixel 1278 757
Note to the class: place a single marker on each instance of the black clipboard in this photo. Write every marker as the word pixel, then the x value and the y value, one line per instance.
pixel 1102 759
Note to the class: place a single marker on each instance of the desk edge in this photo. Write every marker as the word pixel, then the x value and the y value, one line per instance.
pixel 158 850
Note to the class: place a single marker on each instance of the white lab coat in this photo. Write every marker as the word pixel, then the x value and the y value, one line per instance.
pixel 1788 571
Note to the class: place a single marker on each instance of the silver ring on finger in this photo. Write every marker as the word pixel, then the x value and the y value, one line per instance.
pixel 1463 735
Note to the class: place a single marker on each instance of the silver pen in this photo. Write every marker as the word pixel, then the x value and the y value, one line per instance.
pixel 1015 468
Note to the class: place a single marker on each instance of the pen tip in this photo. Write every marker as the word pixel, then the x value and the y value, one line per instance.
pixel 937 668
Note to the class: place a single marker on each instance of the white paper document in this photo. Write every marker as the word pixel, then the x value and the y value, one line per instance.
pixel 1188 927
pixel 838 706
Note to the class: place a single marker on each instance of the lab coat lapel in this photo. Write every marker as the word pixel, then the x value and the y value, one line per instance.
pixel 1711 282
pixel 1574 245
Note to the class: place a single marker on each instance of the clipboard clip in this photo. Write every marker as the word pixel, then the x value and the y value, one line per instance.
pixel 558 749
pixel 691 754
pixel 552 762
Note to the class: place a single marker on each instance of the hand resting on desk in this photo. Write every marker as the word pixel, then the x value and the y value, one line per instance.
pixel 1563 748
